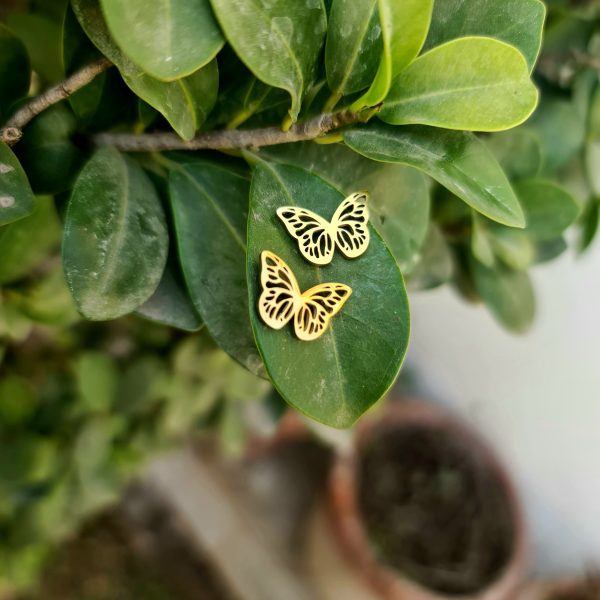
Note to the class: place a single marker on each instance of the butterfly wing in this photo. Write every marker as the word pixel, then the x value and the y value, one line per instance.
pixel 351 225
pixel 312 232
pixel 318 305
pixel 281 295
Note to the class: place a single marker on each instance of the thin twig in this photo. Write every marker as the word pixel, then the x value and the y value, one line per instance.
pixel 12 132
pixel 230 139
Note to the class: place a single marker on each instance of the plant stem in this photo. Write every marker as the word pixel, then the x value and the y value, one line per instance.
pixel 12 132
pixel 231 139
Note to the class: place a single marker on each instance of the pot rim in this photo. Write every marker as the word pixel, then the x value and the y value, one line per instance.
pixel 352 536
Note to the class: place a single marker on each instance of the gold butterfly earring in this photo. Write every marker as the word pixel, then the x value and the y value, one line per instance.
pixel 281 299
pixel 317 237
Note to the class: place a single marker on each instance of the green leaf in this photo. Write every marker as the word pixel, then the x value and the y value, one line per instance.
pixel 476 84
pixel 398 196
pixel 170 304
pixel 41 37
pixel 115 241
pixel 97 379
pixel 185 103
pixel 210 207
pixel 337 377
pixel 15 71
pixel 459 161
pixel 435 266
pixel 353 46
pixel 18 401
pixel 517 22
pixel 26 243
pixel 508 295
pixel 49 157
pixel 16 197
pixel 549 209
pixel 518 151
pixel 184 35
pixel 404 28
pixel 278 40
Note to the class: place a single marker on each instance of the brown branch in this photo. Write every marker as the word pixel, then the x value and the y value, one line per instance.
pixel 12 132
pixel 231 139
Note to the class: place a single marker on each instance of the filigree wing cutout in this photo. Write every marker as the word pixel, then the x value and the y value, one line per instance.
pixel 351 225
pixel 318 305
pixel 281 295
pixel 312 232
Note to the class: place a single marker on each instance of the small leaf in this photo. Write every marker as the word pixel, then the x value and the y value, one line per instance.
pixel 404 28
pixel 15 71
pixel 517 22
pixel 115 241
pixel 459 161
pixel 337 377
pixel 16 197
pixel 97 379
pixel 398 196
pixel 170 304
pixel 549 209
pixel 508 295
pixel 435 266
pixel 353 46
pixel 278 40
pixel 18 401
pixel 518 151
pixel 184 35
pixel 26 243
pixel 185 103
pixel 476 84
pixel 210 207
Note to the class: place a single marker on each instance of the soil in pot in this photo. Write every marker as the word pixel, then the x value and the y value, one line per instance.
pixel 433 510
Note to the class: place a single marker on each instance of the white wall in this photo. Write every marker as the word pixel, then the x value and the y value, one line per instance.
pixel 535 397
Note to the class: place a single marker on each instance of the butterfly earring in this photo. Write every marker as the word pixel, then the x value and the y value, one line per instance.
pixel 317 237
pixel 281 299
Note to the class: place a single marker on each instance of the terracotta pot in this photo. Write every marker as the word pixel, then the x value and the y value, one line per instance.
pixel 349 528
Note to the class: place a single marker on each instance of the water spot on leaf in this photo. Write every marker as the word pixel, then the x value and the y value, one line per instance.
pixel 7 201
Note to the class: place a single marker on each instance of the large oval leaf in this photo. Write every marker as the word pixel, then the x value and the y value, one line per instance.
pixel 185 103
pixel 210 206
pixel 353 46
pixel 337 377
pixel 115 241
pixel 184 34
pixel 459 161
pixel 15 71
pixel 475 84
pixel 398 195
pixel 404 28
pixel 517 22
pixel 278 40
pixel 16 197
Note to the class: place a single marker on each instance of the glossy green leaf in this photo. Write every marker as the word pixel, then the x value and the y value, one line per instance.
pixel 459 161
pixel 185 103
pixel 518 151
pixel 337 377
pixel 508 295
pixel 49 157
pixel 210 207
pixel 16 197
pixel 591 224
pixel 41 37
pixel 435 266
pixel 184 35
pixel 170 304
pixel 278 40
pixel 398 196
pixel 404 28
pixel 353 46
pixel 115 241
pixel 547 250
pixel 97 378
pixel 476 84
pixel 15 71
pixel 549 208
pixel 517 22
pixel 26 243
